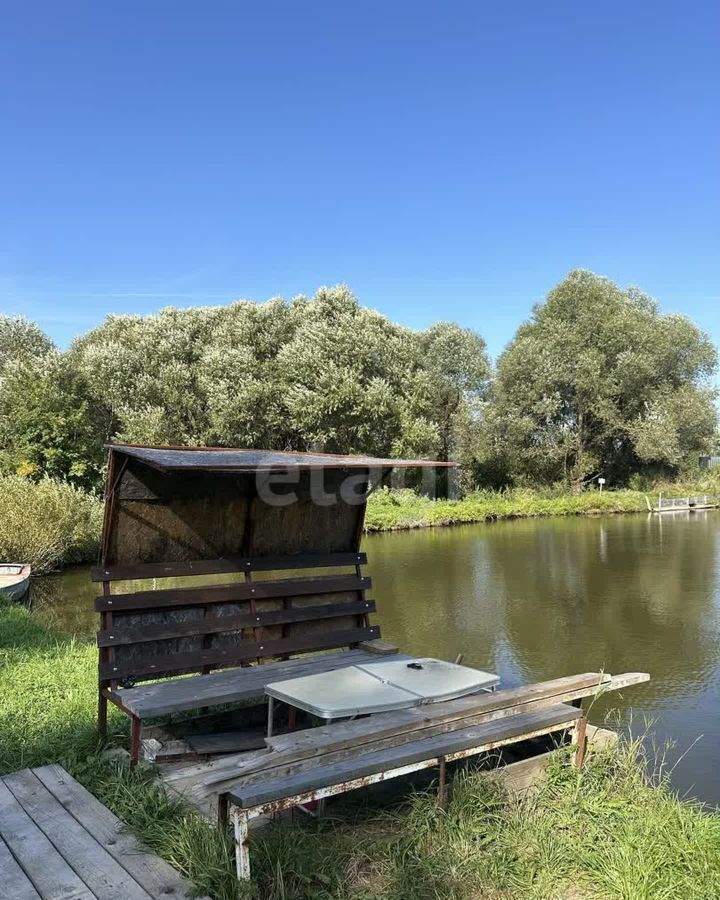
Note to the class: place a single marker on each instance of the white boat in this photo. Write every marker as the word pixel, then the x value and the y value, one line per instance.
pixel 14 580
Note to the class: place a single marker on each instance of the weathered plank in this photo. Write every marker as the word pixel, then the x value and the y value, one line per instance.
pixel 226 566
pixel 14 882
pixel 347 734
pixel 481 737
pixel 379 648
pixel 153 666
pixel 331 743
pixel 355 734
pixel 181 694
pixel 195 771
pixel 167 753
pixel 100 872
pixel 171 598
pixel 52 877
pixel 384 729
pixel 118 636
pixel 226 742
pixel 155 875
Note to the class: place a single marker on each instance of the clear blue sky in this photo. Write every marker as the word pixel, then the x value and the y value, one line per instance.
pixel 446 160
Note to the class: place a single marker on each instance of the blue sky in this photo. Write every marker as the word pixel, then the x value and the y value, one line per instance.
pixel 446 160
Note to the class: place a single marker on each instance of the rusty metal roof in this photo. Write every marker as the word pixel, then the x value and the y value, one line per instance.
pixel 220 459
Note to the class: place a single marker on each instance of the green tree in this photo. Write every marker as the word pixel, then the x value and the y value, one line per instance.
pixel 48 425
pixel 321 371
pixel 240 377
pixel 145 370
pixel 21 341
pixel 598 381
pixel 347 374
pixel 456 371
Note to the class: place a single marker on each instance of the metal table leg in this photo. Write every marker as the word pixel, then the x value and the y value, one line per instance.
pixel 271 711
pixel 321 801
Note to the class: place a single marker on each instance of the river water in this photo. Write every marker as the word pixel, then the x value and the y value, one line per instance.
pixel 537 599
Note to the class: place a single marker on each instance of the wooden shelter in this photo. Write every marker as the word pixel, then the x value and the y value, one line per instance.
pixel 248 516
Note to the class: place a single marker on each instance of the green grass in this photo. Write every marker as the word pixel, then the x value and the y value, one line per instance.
pixel 47 523
pixel 388 510
pixel 51 524
pixel 610 832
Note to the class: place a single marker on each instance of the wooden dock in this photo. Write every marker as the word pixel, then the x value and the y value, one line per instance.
pixel 683 504
pixel 58 842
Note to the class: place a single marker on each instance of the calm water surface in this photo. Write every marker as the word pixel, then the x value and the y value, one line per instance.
pixel 538 599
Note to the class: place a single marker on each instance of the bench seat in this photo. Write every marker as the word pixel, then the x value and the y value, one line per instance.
pixel 256 795
pixel 362 765
pixel 175 695
pixel 199 645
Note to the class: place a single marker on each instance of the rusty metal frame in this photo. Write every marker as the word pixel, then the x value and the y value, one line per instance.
pixel 241 818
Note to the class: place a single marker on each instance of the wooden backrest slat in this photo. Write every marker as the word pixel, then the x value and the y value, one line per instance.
pixel 163 632
pixel 118 636
pixel 229 593
pixel 144 668
pixel 224 566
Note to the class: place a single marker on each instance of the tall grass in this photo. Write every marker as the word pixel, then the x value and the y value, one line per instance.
pixel 47 523
pixel 48 691
pixel 51 524
pixel 608 832
pixel 389 510
pixel 399 509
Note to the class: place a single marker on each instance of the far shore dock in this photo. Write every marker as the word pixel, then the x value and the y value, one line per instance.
pixel 683 504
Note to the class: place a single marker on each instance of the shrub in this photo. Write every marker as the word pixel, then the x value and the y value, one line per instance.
pixel 47 523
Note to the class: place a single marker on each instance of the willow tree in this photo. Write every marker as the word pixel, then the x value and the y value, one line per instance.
pixel 48 424
pixel 21 342
pixel 600 382
pixel 456 363
pixel 284 374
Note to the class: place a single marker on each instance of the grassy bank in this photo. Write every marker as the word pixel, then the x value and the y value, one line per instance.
pixel 51 524
pixel 607 832
pixel 47 523
pixel 389 510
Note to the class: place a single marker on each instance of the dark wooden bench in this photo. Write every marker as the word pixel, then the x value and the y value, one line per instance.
pixel 241 625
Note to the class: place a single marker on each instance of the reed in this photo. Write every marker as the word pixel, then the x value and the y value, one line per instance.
pixel 47 523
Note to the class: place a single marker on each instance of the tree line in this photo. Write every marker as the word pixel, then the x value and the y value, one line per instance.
pixel 597 382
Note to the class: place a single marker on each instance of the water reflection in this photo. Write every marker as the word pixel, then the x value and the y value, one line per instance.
pixel 538 599
pixel 613 596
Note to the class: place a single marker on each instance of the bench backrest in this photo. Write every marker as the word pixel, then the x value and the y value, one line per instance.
pixel 264 607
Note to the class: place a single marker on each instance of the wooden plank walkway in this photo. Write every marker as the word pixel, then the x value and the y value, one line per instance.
pixel 58 842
